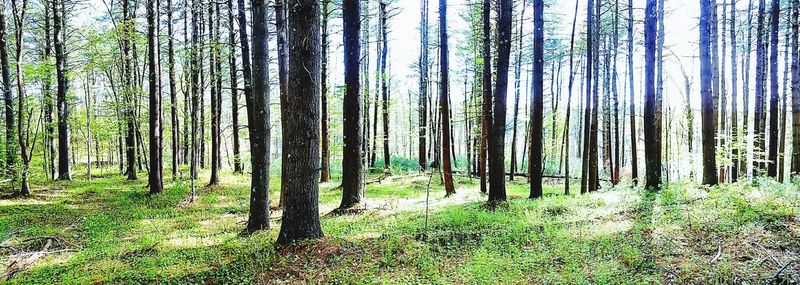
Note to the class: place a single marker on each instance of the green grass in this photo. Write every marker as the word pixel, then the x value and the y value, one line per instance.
pixel 116 233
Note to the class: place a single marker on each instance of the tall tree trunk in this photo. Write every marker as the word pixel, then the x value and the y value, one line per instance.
pixel 569 100
pixel 154 176
pixel 301 131
pixel 707 102
pixel 11 153
pixel 257 101
pixel 772 168
pixel 173 95
pixel 444 102
pixel 587 111
pixel 734 104
pixel 128 90
pixel 423 88
pixel 517 74
pixel 746 88
pixel 283 61
pixel 325 173
pixel 651 133
pixel 617 161
pixel 632 95
pixel 213 76
pixel 47 94
pixel 23 128
pixel 387 162
pixel 237 160
pixel 537 108
pixel 61 92
pixel 352 163
pixel 758 146
pixel 486 95
pixel 795 164
pixel 497 185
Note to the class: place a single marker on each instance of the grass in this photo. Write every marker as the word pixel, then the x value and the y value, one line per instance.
pixel 109 230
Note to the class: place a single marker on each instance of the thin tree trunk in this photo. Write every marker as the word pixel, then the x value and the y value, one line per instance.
pixel 772 168
pixel 537 108
pixel 258 114
pixel 497 188
pixel 325 172
pixel 61 92
pixel 444 105
pixel 352 163
pixel 486 97
pixel 237 160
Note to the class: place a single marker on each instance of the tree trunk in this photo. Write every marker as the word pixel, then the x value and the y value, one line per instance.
pixel 569 99
pixel 423 88
pixel 486 97
pixel 387 161
pixel 758 145
pixel 352 163
pixel 537 108
pixel 154 176
pixel 283 61
pixel 795 164
pixel 8 99
pixel 772 168
pixel 47 94
pixel 325 173
pixel 497 185
pixel 517 72
pixel 173 96
pixel 61 93
pixel 213 76
pixel 237 160
pixel 128 90
pixel 734 104
pixel 444 102
pixel 587 111
pixel 301 129
pixel 707 106
pixel 632 100
pixel 23 129
pixel 257 100
pixel 652 142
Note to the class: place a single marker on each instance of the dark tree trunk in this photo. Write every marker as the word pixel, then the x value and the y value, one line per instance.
pixel 587 111
pixel 497 185
pixel 758 144
pixel 257 101
pixel 615 98
pixel 11 153
pixel 569 100
pixel 387 159
pixel 734 109
pixel 173 95
pixel 48 96
pixel 280 23
pixel 237 160
pixel 301 125
pixel 632 100
pixel 444 102
pixel 325 173
pixel 61 92
pixel 517 73
pixel 128 90
pixel 652 143
pixel 772 168
pixel 352 163
pixel 423 88
pixel 23 128
pixel 486 94
pixel 535 160
pixel 746 87
pixel 707 101
pixel 195 90
pixel 795 163
pixel 213 75
pixel 154 179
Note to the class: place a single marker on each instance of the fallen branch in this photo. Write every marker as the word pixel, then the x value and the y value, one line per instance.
pixel 775 276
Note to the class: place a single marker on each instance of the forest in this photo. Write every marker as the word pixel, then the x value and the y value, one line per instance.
pixel 309 142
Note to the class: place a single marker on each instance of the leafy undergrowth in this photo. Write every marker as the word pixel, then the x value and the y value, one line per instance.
pixel 109 230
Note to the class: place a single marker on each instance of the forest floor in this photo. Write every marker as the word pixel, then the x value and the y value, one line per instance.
pixel 109 230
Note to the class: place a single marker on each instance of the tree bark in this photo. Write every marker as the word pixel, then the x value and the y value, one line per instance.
pixel 537 108
pixel 486 95
pixel 707 102
pixel 652 142
pixel 8 99
pixel 795 163
pixel 325 173
pixel 772 168
pixel 423 88
pixel 258 113
pixel 444 102
pixel 237 160
pixel 497 185
pixel 734 98
pixel 61 92
pixel 587 108
pixel 387 160
pixel 352 152
pixel 154 176
pixel 301 132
